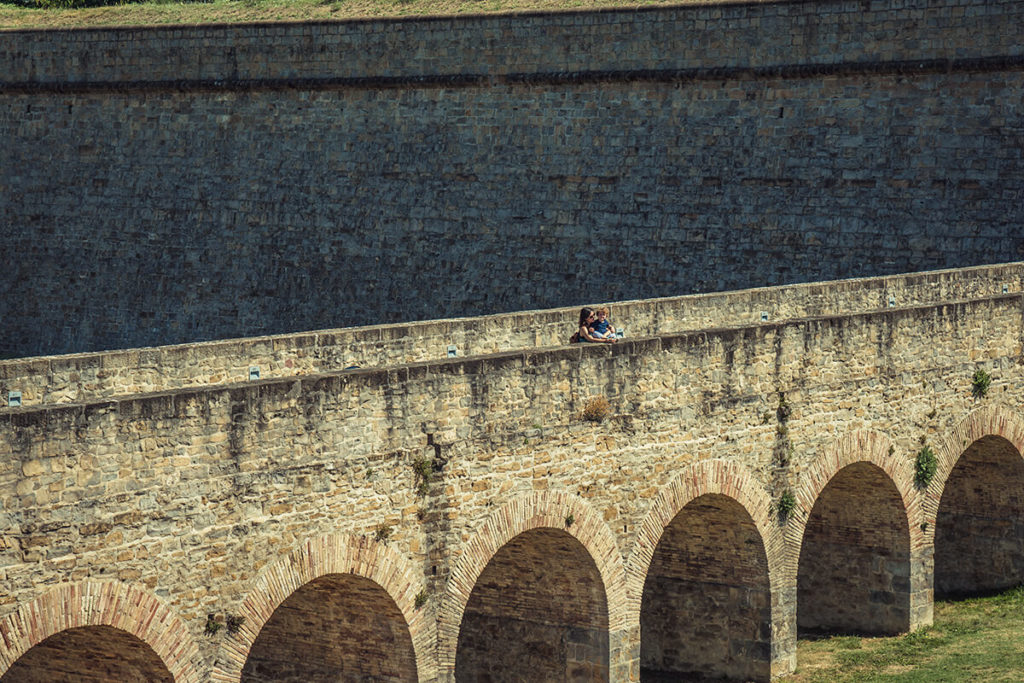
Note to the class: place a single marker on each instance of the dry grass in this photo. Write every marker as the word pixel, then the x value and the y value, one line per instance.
pixel 597 409
pixel 245 11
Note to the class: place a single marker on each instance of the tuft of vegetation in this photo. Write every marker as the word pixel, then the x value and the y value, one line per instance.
pixel 980 383
pixel 234 623
pixel 784 410
pixel 382 533
pixel 423 469
pixel 925 465
pixel 421 598
pixel 597 409
pixel 212 625
pixel 785 506
pixel 570 519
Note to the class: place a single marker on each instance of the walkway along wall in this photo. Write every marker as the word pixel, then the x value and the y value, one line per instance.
pixel 421 519
pixel 175 184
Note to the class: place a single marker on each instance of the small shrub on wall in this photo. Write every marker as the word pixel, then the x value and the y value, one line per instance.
pixel 980 383
pixel 597 409
pixel 785 506
pixel 925 465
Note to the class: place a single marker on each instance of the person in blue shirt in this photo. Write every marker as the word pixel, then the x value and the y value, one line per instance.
pixel 602 328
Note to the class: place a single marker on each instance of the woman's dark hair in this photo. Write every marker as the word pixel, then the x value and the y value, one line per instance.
pixel 585 315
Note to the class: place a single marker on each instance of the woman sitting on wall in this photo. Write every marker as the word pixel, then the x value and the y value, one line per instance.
pixel 585 331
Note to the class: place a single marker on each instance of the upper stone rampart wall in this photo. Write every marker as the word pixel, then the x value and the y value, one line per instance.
pixel 170 185
pixel 84 377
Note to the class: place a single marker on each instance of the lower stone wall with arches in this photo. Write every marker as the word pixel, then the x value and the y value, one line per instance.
pixel 715 582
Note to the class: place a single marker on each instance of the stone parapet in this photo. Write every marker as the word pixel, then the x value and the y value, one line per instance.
pixel 106 375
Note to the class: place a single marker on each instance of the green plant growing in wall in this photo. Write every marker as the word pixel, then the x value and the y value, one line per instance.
pixel 980 383
pixel 421 598
pixel 212 625
pixel 783 411
pixel 783 450
pixel 423 469
pixel 570 519
pixel 234 623
pixel 382 533
pixel 925 465
pixel 785 506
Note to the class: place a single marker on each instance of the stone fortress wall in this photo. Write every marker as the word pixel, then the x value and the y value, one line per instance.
pixel 443 519
pixel 175 184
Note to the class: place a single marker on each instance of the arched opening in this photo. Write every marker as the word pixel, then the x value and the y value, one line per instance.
pixel 706 606
pixel 538 612
pixel 854 571
pixel 89 654
pixel 979 530
pixel 339 627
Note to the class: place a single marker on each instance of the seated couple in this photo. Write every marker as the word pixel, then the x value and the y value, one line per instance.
pixel 594 327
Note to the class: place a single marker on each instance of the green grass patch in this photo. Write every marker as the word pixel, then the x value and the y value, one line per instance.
pixel 976 639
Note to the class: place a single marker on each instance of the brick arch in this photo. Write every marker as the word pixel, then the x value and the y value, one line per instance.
pixel 103 603
pixel 973 504
pixel 319 557
pixel 722 477
pixel 860 446
pixel 535 511
pixel 872 488
pixel 708 544
pixel 994 420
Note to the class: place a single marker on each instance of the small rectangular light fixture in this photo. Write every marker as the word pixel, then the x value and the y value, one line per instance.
pixel 1006 289
pixel 13 399
pixel 254 372
pixel 892 302
pixel 452 351
pixel 764 315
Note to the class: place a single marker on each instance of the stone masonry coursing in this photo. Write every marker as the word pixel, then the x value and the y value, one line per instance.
pixel 439 482
pixel 166 185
